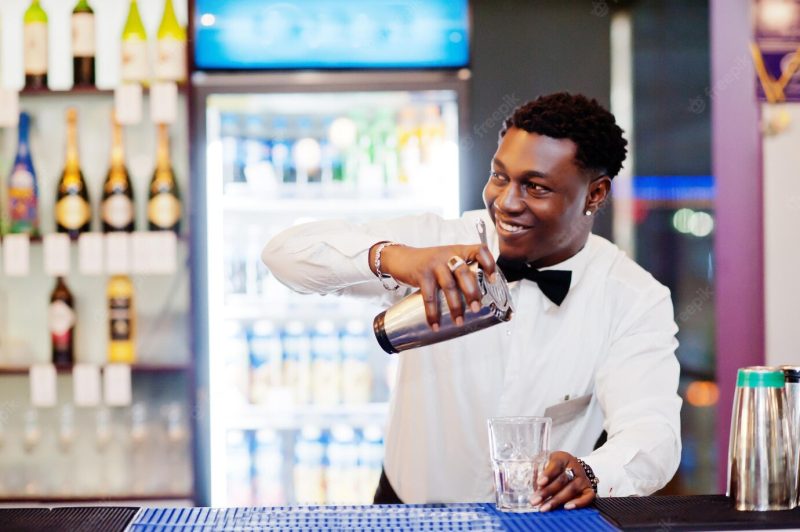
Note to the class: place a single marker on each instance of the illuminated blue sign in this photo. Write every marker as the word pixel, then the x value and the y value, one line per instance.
pixel 329 34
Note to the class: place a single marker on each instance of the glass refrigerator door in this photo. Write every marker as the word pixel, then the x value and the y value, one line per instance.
pixel 299 387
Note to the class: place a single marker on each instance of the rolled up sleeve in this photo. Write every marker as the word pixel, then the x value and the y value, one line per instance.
pixel 637 386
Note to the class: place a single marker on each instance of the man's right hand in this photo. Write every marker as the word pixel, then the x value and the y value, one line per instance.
pixel 427 269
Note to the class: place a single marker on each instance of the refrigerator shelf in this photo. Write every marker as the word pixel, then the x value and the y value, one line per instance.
pixel 140 368
pixel 304 313
pixel 256 417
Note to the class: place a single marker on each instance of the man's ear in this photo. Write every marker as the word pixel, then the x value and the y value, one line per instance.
pixel 599 189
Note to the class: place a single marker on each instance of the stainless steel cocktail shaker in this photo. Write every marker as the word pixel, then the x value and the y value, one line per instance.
pixel 404 325
pixel 791 378
pixel 761 468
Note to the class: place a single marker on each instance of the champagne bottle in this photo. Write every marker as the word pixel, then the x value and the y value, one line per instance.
pixel 35 46
pixel 73 210
pixel 116 210
pixel 135 64
pixel 23 191
pixel 164 204
pixel 61 320
pixel 171 58
pixel 83 44
pixel 122 320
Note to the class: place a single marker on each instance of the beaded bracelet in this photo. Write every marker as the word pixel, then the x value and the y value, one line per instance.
pixel 384 277
pixel 593 480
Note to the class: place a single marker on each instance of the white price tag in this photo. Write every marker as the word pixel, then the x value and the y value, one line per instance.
pixel 56 254
pixel 43 385
pixel 118 253
pixel 165 256
pixel 90 253
pixel 117 385
pixel 16 255
pixel 140 252
pixel 86 384
pixel 9 107
pixel 128 103
pixel 163 102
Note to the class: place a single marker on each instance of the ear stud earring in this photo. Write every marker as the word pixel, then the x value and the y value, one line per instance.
pixel 588 212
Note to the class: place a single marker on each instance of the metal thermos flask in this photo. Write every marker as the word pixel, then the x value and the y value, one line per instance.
pixel 762 473
pixel 404 325
pixel 791 377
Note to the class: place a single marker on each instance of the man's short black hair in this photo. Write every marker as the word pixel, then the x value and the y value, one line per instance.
pixel 585 122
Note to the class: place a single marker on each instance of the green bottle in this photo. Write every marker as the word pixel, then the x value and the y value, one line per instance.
pixel 171 59
pixel 135 66
pixel 83 44
pixel 35 46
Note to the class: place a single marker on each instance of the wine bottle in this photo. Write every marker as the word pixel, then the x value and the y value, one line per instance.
pixel 83 44
pixel 23 191
pixel 61 320
pixel 135 64
pixel 116 210
pixel 171 57
pixel 163 204
pixel 122 320
pixel 73 210
pixel 35 46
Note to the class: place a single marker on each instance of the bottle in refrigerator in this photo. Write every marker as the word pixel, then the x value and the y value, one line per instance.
pixel 141 445
pixel 268 468
pixel 342 471
pixel 240 492
pixel 232 161
pixel 83 44
pixel 326 364
pixel 356 370
pixel 236 353
pixel 73 209
pixel 177 452
pixel 171 56
pixel 408 148
pixel 307 154
pixel 370 461
pixel 23 190
pixel 61 321
pixel 281 153
pixel 117 207
pixel 34 46
pixel 297 361
pixel 266 361
pixel 163 204
pixel 135 65
pixel 309 467
pixel 122 320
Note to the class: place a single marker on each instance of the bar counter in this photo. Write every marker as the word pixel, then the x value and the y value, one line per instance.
pixel 703 512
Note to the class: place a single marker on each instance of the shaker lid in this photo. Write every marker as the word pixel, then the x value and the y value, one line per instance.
pixel 791 373
pixel 759 377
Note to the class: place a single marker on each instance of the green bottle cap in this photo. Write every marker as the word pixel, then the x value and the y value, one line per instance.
pixel 759 377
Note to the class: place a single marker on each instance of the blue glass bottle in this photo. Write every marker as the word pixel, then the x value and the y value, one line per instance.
pixel 23 191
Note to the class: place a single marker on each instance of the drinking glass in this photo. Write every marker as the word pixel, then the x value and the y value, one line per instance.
pixel 519 452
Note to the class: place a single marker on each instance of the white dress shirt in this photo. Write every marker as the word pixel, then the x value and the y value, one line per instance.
pixel 604 359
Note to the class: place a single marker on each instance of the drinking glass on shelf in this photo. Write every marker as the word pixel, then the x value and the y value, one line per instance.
pixel 519 452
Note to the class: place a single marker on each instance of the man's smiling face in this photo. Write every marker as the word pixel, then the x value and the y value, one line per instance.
pixel 536 196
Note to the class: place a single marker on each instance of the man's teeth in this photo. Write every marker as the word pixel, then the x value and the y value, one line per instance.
pixel 510 228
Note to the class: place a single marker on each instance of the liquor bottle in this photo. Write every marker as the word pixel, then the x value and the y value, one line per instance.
pixel 73 210
pixel 122 320
pixel 83 44
pixel 61 320
pixel 135 64
pixel 23 192
pixel 35 46
pixel 116 210
pixel 171 57
pixel 163 204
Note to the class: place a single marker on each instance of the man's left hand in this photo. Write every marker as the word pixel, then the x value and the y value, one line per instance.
pixel 554 488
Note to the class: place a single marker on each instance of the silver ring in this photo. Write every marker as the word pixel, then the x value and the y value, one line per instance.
pixel 455 262
pixel 570 474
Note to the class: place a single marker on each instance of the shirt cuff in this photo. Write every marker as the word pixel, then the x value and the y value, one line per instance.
pixel 610 474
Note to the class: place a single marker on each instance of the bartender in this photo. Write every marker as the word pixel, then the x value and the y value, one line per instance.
pixel 591 344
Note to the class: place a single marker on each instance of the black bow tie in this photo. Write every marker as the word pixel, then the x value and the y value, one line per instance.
pixel 553 283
